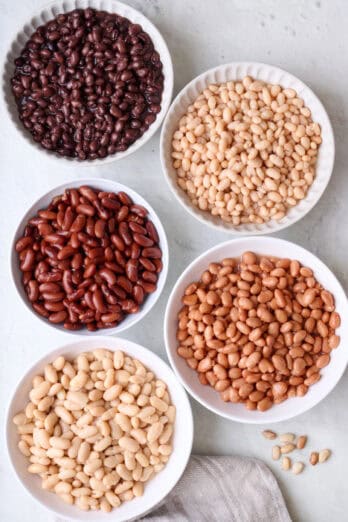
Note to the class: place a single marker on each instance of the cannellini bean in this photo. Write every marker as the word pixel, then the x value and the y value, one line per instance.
pixel 87 434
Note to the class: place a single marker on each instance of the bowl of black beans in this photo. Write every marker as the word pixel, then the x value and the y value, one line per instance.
pixel 88 84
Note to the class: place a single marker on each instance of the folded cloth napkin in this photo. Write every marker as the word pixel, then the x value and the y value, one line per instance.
pixel 223 489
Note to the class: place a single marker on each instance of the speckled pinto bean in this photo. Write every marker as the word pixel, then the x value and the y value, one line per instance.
pixel 89 259
pixel 88 84
pixel 257 329
pixel 88 433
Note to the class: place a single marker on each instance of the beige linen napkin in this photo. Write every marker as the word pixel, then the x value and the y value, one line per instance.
pixel 223 489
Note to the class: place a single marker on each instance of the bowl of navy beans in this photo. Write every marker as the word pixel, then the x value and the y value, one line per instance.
pixel 132 422
pixel 90 255
pixel 89 83
pixel 255 329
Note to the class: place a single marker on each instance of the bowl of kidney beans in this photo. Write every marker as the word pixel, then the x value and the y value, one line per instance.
pixel 90 255
pixel 88 84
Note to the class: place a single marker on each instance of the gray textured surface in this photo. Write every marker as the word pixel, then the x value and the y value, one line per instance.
pixel 309 39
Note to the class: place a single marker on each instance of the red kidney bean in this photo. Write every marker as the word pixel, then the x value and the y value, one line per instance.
pixel 111 317
pixel 114 267
pixel 58 317
pixel 65 252
pixel 44 229
pixel 119 291
pixel 159 265
pixel 125 283
pixel 84 270
pixel 98 301
pixel 147 264
pixel 47 214
pixel 108 275
pixel 139 210
pixel 139 294
pixel 118 242
pixel 132 270
pixel 28 260
pixel 74 240
pixel 49 287
pixel 122 213
pixel 33 290
pixel 74 197
pixel 120 258
pixel 52 306
pixel 67 282
pixel 148 287
pixel 87 317
pixel 152 232
pixel 135 251
pixel 52 296
pixel 152 252
pixel 111 204
pixel 49 277
pixel 137 228
pixel 142 240
pixel 40 309
pixel 54 239
pixel 23 243
pixel 88 193
pixel 85 209
pixel 99 228
pixel 123 230
pixel 78 224
pixel 76 261
pixel 62 72
pixel 68 219
pixel 149 276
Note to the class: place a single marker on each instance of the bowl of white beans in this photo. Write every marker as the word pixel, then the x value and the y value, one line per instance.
pixel 247 148
pixel 99 425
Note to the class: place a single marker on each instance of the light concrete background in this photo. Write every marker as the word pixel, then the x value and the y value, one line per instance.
pixel 307 38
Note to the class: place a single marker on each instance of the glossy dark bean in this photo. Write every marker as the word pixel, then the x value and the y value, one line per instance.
pixel 93 70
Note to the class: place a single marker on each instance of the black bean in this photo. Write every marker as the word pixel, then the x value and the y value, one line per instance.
pixel 88 84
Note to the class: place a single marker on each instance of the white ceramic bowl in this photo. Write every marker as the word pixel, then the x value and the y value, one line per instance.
pixel 50 11
pixel 205 394
pixel 111 186
pixel 268 73
pixel 159 486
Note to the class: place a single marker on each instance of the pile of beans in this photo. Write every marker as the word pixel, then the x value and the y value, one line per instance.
pixel 96 429
pixel 89 258
pixel 246 151
pixel 88 84
pixel 258 330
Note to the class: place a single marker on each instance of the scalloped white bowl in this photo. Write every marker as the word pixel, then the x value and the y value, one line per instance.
pixel 209 397
pixel 110 186
pixel 47 13
pixel 268 73
pixel 157 488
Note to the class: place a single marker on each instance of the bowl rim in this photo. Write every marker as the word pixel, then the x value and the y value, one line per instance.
pixel 118 187
pixel 144 353
pixel 214 222
pixel 171 352
pixel 167 93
